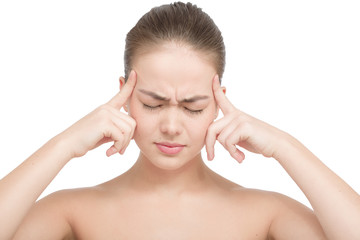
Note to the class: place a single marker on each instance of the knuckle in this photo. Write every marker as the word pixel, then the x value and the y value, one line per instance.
pixel 103 107
pixel 127 129
pixel 117 145
pixel 229 145
pixel 103 111
pixel 227 142
pixel 221 139
pixel 132 122
pixel 104 123
pixel 108 131
pixel 211 130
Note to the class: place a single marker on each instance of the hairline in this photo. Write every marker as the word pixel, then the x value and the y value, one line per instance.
pixel 151 47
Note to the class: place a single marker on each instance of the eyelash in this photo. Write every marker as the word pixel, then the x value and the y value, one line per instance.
pixel 152 108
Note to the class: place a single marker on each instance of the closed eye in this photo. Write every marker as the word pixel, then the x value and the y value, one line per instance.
pixel 189 110
pixel 192 111
pixel 149 107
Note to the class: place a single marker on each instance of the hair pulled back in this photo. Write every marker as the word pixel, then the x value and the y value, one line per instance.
pixel 179 22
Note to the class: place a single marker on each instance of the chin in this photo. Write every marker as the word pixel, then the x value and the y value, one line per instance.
pixel 169 160
pixel 169 163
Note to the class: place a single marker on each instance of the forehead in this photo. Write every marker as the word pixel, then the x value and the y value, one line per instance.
pixel 174 68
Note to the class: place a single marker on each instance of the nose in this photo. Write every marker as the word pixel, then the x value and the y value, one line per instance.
pixel 170 123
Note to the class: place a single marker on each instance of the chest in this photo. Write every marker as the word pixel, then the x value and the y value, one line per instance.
pixel 167 221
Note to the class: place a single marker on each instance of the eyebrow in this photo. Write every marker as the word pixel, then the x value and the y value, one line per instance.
pixel 161 98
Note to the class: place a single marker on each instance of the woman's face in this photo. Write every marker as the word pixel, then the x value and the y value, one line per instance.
pixel 173 104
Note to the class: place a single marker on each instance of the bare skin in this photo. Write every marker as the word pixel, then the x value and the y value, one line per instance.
pixel 214 208
pixel 173 96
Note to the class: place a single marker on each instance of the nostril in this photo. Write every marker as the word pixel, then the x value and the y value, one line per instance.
pixel 171 121
pixel 171 127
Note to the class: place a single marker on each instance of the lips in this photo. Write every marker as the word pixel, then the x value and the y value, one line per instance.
pixel 170 148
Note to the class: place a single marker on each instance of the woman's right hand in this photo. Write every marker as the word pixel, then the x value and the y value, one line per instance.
pixel 105 124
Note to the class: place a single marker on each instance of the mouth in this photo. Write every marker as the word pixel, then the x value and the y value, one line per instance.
pixel 169 148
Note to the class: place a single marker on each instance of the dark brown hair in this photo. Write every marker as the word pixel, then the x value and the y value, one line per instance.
pixel 180 22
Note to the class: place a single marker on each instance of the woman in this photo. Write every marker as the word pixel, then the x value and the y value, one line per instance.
pixel 174 61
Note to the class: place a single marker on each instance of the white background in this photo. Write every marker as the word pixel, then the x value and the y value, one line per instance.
pixel 293 64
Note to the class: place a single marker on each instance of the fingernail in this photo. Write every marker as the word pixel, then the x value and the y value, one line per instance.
pixel 239 157
pixel 216 78
pixel 132 74
pixel 110 152
pixel 129 77
pixel 122 151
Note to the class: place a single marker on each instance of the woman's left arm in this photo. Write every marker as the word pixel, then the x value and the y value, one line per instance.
pixel 335 204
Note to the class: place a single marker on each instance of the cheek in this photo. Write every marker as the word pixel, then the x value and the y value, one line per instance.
pixel 135 109
pixel 198 126
pixel 143 121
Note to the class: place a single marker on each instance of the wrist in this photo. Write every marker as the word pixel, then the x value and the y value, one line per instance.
pixel 62 147
pixel 287 147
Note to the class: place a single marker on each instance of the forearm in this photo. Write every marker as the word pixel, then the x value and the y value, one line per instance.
pixel 20 188
pixel 335 203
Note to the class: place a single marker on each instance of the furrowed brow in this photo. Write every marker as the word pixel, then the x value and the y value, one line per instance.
pixel 185 100
pixel 154 95
pixel 194 99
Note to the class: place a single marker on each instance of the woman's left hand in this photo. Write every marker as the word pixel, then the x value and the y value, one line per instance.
pixel 239 129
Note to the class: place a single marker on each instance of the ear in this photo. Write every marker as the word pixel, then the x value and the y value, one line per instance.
pixel 122 83
pixel 223 89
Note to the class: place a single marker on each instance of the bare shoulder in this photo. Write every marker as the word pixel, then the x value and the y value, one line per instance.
pixel 249 198
pixel 264 202
pixel 286 217
pixel 57 215
pixel 76 201
pixel 280 216
pixel 47 219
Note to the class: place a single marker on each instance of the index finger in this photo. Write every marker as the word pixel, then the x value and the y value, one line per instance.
pixel 220 98
pixel 120 98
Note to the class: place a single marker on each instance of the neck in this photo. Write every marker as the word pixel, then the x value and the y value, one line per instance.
pixel 192 176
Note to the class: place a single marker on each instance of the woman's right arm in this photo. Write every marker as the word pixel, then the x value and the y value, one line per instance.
pixel 21 187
